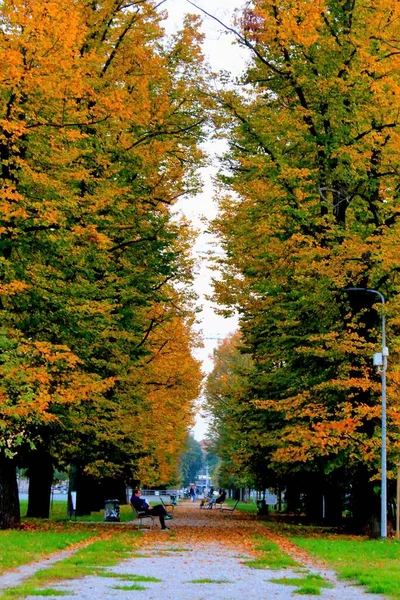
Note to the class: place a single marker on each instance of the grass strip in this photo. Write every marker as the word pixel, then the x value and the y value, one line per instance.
pixel 209 581
pixel 271 556
pixel 49 592
pixel 311 584
pixel 21 547
pixel 374 564
pixel 129 577
pixel 129 588
pixel 105 552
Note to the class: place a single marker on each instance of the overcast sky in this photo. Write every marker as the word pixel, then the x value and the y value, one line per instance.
pixel 222 55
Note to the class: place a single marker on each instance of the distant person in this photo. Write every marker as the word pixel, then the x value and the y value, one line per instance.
pixel 193 492
pixel 142 506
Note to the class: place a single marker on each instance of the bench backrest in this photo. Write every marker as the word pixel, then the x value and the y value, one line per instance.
pixel 165 499
pixel 136 512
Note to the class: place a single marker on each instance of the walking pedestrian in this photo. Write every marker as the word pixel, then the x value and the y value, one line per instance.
pixel 193 492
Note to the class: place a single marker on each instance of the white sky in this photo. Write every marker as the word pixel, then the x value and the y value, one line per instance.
pixel 221 55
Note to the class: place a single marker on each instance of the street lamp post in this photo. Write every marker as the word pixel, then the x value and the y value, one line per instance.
pixel 380 360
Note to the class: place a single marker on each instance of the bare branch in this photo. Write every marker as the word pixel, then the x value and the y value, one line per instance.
pixel 240 37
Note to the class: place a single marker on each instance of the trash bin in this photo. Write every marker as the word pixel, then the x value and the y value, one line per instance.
pixel 262 508
pixel 111 510
pixel 174 499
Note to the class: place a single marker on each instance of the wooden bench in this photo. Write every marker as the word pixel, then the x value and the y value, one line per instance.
pixel 167 504
pixel 141 516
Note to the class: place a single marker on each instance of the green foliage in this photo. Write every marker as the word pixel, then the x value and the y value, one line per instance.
pixel 236 428
pixel 308 207
pixel 91 256
pixel 191 461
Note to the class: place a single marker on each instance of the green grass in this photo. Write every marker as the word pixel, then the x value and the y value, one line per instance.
pixel 49 592
pixel 243 506
pixel 39 538
pixel 209 581
pixel 58 513
pixel 21 547
pixel 311 584
pixel 129 577
pixel 271 556
pixel 129 588
pixel 86 561
pixel 374 564
pixel 309 590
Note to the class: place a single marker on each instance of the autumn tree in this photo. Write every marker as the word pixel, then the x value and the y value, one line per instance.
pixel 99 132
pixel 236 431
pixel 314 145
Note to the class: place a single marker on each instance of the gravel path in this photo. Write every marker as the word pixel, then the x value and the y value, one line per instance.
pixel 202 545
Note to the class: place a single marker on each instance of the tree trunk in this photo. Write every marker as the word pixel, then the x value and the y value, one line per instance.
pixel 40 480
pixel 365 505
pixel 87 497
pixel 292 496
pixel 9 501
pixel 333 505
pixel 314 507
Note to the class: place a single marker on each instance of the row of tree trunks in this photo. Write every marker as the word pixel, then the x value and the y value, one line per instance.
pixel 90 493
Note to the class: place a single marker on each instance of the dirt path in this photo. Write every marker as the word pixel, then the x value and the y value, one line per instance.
pixel 203 555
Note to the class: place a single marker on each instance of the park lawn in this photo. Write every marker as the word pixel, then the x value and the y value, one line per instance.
pixel 19 547
pixel 243 506
pixel 374 564
pixel 58 512
pixel 39 538
pixel 90 559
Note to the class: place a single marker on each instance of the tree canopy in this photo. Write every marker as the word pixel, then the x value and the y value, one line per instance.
pixel 101 117
pixel 309 207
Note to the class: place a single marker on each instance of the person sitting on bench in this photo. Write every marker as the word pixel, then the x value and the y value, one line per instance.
pixel 142 506
pixel 220 500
